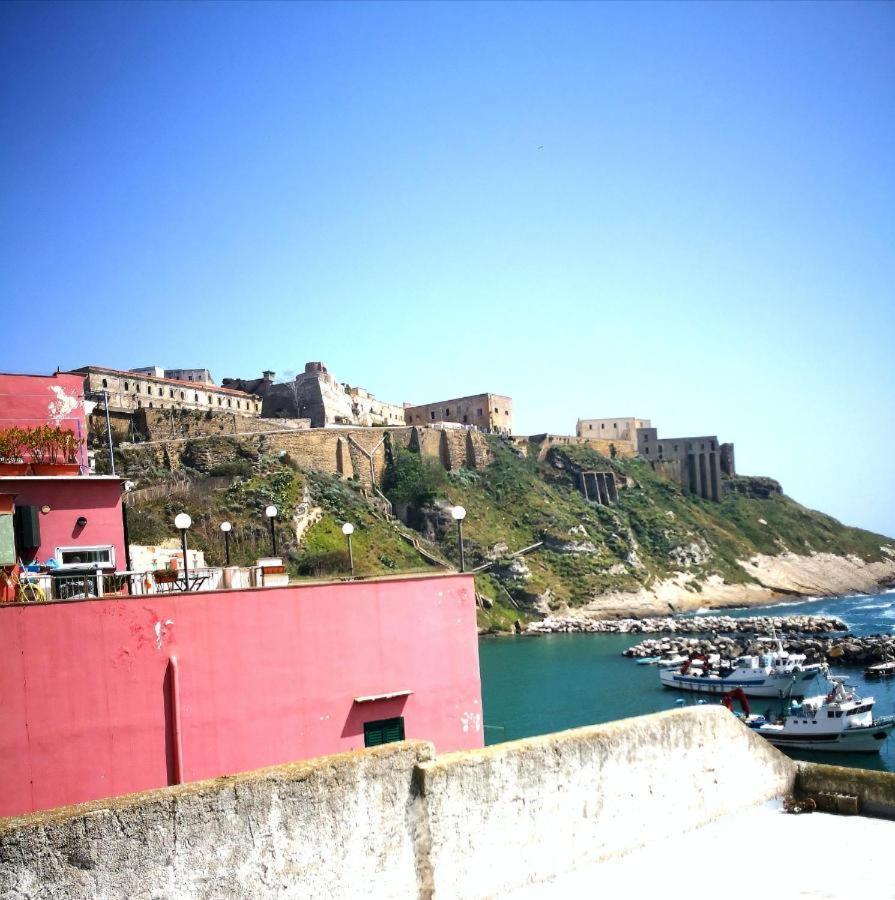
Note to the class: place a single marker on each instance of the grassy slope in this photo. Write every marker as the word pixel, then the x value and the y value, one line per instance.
pixel 377 548
pixel 520 501
pixel 652 533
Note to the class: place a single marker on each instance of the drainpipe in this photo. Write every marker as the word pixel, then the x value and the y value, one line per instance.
pixel 109 432
pixel 176 732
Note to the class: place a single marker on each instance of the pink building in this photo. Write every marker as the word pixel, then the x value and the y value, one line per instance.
pixel 62 521
pixel 105 697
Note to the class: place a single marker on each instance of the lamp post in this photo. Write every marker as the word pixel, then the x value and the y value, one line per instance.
pixel 348 530
pixel 182 522
pixel 459 514
pixel 225 527
pixel 271 513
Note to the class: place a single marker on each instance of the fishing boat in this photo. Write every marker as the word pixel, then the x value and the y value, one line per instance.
pixel 881 670
pixel 840 721
pixel 774 674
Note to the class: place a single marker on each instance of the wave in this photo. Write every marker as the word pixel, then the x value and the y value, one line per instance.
pixel 864 606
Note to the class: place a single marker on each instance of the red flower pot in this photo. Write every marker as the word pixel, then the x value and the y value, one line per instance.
pixel 13 469
pixel 56 469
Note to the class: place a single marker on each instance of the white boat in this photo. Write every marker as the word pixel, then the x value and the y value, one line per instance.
pixel 839 721
pixel 881 670
pixel 774 674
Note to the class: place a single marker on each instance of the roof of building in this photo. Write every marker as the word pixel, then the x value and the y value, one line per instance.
pixel 190 384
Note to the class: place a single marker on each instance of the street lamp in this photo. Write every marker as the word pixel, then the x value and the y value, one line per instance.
pixel 271 513
pixel 348 530
pixel 225 527
pixel 182 522
pixel 458 513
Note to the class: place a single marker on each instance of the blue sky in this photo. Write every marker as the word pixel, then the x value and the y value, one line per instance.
pixel 682 212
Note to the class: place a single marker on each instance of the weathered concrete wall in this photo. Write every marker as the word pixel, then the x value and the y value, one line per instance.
pixel 875 790
pixel 337 826
pixel 530 810
pixel 394 822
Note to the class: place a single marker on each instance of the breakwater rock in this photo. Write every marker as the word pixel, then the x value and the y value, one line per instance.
pixel 846 650
pixel 751 625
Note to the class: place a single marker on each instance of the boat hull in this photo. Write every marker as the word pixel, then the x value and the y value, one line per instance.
pixel 758 686
pixel 869 739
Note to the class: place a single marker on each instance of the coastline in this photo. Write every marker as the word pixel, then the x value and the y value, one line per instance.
pixel 775 579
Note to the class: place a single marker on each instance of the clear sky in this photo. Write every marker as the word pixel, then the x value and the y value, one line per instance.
pixel 681 212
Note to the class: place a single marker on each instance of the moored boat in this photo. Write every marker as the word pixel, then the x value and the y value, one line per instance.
pixel 838 721
pixel 774 674
pixel 881 670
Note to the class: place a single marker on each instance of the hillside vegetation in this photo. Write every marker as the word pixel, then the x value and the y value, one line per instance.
pixel 655 532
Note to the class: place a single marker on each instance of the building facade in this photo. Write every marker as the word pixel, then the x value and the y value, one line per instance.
pixel 695 462
pixel 129 391
pixel 623 430
pixel 109 696
pixel 492 413
pixel 200 376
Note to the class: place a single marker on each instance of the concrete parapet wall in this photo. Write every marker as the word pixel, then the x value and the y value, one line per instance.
pixel 875 790
pixel 396 822
pixel 531 810
pixel 336 826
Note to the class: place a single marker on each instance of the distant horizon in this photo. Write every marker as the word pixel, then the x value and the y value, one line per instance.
pixel 682 211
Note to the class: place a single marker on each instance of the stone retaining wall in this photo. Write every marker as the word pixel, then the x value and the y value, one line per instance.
pixel 397 822
pixel 338 451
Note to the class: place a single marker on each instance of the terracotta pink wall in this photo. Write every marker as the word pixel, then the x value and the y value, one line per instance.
pixel 98 499
pixel 34 400
pixel 265 676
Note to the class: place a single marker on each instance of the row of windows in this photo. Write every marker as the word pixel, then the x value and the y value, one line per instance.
pixel 209 399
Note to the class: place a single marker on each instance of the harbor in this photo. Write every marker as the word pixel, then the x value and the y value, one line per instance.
pixel 559 681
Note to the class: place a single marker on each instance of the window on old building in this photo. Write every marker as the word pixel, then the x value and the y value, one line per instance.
pixel 432 414
pixel 126 386
pixel 478 412
pixel 447 412
pixel 496 409
pixel 171 393
pixel 195 398
pixel 219 401
pixel 383 731
pixel 229 402
pixel 137 388
pixel 105 383
pixel 465 420
pixel 182 397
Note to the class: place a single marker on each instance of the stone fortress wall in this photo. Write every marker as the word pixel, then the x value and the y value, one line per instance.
pixel 359 453
pixel 399 821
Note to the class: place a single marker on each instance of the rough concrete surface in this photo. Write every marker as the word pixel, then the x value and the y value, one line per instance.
pixel 330 827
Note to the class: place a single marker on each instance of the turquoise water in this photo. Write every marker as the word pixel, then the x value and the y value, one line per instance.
pixel 535 685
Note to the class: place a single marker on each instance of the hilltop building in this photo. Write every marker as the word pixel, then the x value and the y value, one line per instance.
pixel 129 390
pixel 317 395
pixel 487 412
pixel 695 462
pixel 622 432
pixel 202 376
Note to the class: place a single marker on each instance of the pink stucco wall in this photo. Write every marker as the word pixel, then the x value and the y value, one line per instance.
pixel 97 499
pixel 263 677
pixel 34 400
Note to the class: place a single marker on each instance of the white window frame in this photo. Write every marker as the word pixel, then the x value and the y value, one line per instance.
pixel 76 549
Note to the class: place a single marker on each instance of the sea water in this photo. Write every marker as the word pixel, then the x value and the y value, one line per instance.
pixel 539 684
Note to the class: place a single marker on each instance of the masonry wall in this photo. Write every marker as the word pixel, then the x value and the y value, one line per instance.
pixel 338 451
pixel 106 697
pixel 396 822
pixel 607 448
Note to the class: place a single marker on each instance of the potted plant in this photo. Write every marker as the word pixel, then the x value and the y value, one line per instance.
pixel 13 445
pixel 54 451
